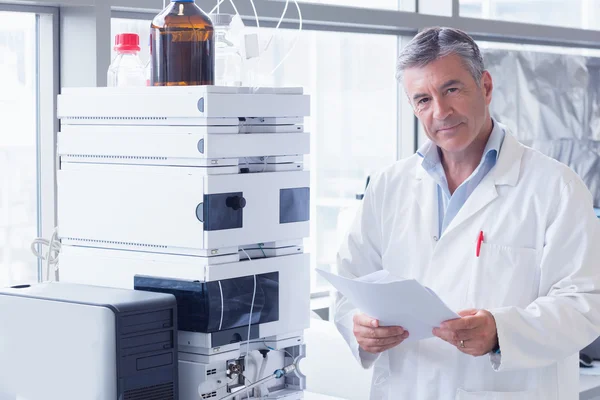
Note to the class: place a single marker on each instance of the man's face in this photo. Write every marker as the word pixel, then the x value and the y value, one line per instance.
pixel 451 106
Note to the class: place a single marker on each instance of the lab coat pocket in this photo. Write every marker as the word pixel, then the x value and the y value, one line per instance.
pixel 503 276
pixel 525 395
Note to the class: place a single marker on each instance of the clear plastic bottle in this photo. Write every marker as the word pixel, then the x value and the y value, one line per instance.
pixel 127 69
pixel 148 73
pixel 228 60
pixel 182 46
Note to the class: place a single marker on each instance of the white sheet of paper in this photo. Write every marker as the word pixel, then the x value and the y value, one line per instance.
pixel 381 276
pixel 394 302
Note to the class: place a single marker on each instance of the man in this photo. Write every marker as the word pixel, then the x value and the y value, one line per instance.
pixel 504 235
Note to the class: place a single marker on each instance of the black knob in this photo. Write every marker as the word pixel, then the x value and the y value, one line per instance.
pixel 236 202
pixel 236 338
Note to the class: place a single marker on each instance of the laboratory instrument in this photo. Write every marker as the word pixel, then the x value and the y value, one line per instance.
pixel 200 192
pixel 70 341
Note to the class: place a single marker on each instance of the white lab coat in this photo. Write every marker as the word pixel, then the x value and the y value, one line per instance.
pixel 538 273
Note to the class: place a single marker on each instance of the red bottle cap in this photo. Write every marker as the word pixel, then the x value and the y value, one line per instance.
pixel 127 42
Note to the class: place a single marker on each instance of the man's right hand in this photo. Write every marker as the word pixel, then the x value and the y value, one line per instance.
pixel 375 339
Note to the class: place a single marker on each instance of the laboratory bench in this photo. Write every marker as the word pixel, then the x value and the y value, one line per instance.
pixel 318 396
pixel 589 387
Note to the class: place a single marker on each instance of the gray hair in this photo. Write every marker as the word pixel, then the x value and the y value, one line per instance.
pixel 434 43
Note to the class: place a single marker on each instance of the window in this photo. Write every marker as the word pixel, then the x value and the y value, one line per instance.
pixel 564 13
pixel 404 5
pixel 436 7
pixel 540 48
pixel 18 147
pixel 353 123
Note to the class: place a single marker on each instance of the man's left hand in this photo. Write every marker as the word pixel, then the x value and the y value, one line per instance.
pixel 474 333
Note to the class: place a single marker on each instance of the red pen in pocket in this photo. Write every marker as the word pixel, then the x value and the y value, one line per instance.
pixel 479 241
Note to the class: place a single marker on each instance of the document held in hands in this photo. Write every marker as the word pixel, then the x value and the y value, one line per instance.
pixel 394 302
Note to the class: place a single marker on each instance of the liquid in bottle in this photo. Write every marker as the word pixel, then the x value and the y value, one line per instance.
pixel 182 46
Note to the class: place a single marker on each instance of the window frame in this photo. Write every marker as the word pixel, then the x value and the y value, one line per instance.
pixel 47 88
pixel 74 15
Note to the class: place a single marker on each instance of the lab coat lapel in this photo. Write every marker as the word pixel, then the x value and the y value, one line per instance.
pixel 425 193
pixel 505 172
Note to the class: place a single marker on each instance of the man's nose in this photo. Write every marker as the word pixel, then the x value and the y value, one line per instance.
pixel 441 109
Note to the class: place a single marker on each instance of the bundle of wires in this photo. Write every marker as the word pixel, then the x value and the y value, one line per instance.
pixel 50 256
pixel 249 320
pixel 268 45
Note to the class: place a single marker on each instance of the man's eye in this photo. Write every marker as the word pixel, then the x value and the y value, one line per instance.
pixel 423 101
pixel 452 90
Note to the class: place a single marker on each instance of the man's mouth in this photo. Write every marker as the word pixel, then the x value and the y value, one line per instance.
pixel 448 128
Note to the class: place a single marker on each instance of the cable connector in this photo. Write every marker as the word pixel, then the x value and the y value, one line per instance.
pixel 280 373
pixel 264 352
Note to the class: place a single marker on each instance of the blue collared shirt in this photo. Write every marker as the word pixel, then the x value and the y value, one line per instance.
pixel 449 205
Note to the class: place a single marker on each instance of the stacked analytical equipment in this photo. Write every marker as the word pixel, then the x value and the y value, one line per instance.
pixel 200 192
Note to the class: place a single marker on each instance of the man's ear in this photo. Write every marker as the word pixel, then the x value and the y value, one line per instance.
pixel 488 86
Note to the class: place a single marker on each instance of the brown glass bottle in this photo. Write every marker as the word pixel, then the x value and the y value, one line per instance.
pixel 182 46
